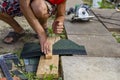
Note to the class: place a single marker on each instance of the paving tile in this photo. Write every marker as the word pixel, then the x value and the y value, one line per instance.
pixel 71 3
pixel 98 45
pixel 89 68
pixel 110 17
pixel 85 28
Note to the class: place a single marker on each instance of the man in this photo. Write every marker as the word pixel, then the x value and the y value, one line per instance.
pixel 36 12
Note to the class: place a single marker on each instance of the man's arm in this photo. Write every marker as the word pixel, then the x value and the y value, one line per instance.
pixel 61 12
pixel 59 20
pixel 34 23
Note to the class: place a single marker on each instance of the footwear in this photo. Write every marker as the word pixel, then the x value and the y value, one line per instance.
pixel 15 37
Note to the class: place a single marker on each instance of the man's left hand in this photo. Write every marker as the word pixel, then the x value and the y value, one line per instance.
pixel 57 27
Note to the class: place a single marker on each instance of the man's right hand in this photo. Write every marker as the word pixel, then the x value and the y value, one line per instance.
pixel 45 44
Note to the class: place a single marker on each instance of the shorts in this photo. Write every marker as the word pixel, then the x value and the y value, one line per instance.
pixel 51 8
pixel 12 7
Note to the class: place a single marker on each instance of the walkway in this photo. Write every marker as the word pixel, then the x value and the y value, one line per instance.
pixel 100 63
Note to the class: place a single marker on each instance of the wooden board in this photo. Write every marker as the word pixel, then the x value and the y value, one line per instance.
pixel 52 41
pixel 49 59
pixel 44 64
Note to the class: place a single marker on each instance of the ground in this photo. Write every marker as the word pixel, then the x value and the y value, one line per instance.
pixel 29 36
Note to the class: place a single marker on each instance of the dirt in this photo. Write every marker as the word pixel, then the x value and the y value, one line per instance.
pixel 29 36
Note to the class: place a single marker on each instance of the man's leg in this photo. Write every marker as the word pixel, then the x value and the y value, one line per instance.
pixel 40 10
pixel 10 20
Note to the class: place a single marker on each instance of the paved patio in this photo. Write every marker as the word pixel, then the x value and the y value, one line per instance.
pixel 100 63
pixel 90 68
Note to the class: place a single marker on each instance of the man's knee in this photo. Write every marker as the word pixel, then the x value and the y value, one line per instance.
pixel 39 8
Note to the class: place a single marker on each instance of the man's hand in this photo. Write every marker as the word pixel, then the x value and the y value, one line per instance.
pixel 45 44
pixel 57 27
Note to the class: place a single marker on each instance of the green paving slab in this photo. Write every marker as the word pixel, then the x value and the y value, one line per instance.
pixel 65 46
pixel 98 45
pixel 89 68
pixel 85 28
pixel 61 47
pixel 110 17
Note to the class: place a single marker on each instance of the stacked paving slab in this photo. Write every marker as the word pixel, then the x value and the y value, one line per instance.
pixel 102 60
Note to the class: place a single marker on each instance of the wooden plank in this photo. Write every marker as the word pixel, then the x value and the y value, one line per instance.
pixel 44 64
pixel 52 41
pixel 49 59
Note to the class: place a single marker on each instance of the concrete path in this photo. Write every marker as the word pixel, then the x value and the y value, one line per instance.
pixel 72 3
pixel 99 46
pixel 100 63
pixel 110 17
pixel 85 28
pixel 97 40
pixel 90 68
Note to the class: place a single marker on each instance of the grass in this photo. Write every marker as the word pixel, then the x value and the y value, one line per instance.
pixel 117 36
pixel 51 33
pixel 88 2
pixel 104 4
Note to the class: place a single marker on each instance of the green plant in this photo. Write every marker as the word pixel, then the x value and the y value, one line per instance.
pixel 31 76
pixel 17 52
pixel 50 76
pixel 60 78
pixel 117 36
pixel 105 4
pixel 52 34
pixel 89 2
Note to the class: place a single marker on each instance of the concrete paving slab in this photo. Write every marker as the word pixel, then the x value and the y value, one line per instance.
pixel 98 45
pixel 88 28
pixel 107 12
pixel 89 68
pixel 71 3
pixel 110 17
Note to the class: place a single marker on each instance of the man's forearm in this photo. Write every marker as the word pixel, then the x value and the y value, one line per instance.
pixel 60 16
